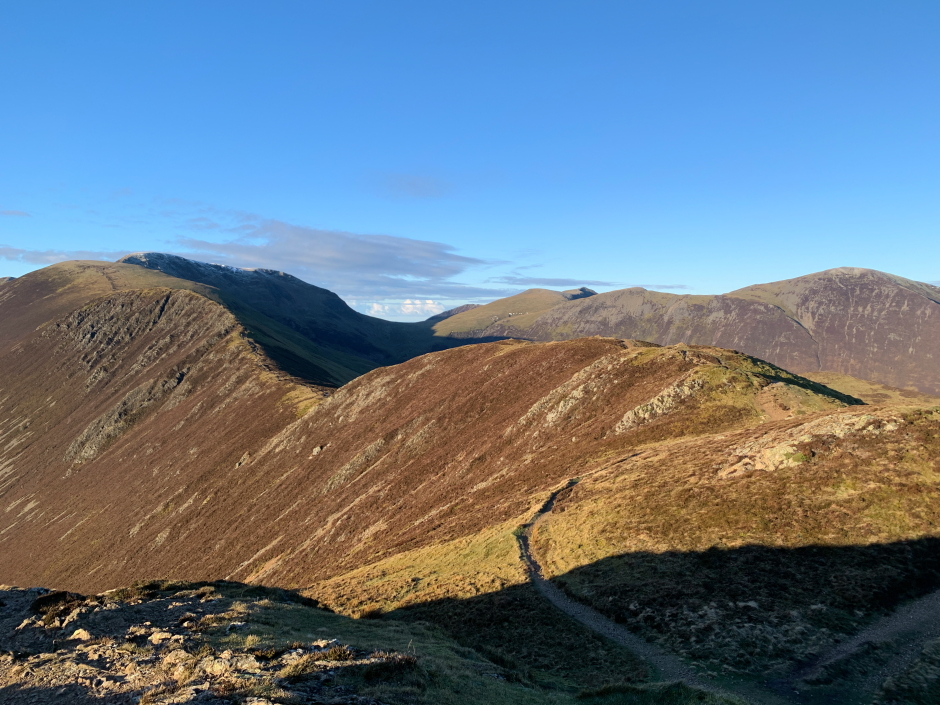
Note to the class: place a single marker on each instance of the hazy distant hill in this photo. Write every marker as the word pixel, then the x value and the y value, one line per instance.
pixel 857 322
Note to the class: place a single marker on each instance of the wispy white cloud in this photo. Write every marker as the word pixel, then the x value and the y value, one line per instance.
pixel 356 266
pixel 16 214
pixel 202 223
pixel 390 270
pixel 46 257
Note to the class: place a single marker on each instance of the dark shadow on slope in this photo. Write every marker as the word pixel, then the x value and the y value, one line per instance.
pixel 516 629
pixel 752 613
pixel 777 374
pixel 314 335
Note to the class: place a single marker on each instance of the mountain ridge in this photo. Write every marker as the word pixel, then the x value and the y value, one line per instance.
pixel 853 321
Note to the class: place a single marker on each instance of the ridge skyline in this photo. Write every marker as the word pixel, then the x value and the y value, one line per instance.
pixel 572 285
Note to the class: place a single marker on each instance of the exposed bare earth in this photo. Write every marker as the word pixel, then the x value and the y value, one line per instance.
pixel 667 665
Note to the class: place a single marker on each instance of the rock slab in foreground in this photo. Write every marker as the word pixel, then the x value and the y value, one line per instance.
pixel 144 645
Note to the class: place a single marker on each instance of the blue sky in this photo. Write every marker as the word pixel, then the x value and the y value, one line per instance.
pixel 453 152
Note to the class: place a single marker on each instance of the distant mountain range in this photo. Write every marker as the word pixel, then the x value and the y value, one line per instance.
pixel 858 322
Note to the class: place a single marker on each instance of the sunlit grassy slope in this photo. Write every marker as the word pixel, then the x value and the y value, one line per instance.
pixel 522 309
pixel 793 536
pixel 873 392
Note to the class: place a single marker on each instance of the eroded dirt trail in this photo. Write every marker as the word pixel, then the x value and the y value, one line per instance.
pixel 908 629
pixel 669 667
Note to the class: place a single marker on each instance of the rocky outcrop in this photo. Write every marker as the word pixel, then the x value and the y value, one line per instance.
pixel 661 404
pixel 160 643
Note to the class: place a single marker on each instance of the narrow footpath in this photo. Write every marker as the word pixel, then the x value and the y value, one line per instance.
pixel 668 666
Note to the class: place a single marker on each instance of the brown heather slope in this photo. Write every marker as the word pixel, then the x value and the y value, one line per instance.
pixel 98 414
pixel 40 296
pixel 309 332
pixel 139 443
pixel 857 322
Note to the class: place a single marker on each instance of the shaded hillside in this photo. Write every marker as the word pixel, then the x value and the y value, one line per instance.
pixel 290 318
pixel 857 322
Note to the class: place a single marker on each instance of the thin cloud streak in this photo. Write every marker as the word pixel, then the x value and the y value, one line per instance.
pixel 46 257
pixel 16 214
pixel 546 281
pixel 353 265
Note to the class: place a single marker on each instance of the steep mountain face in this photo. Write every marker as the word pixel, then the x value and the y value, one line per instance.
pixel 43 295
pixel 289 317
pixel 857 322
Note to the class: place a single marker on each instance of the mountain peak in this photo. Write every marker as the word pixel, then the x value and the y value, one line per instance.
pixel 851 271
pixel 185 268
pixel 580 293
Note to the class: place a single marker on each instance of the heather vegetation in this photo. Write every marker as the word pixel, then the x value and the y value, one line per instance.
pixel 595 520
